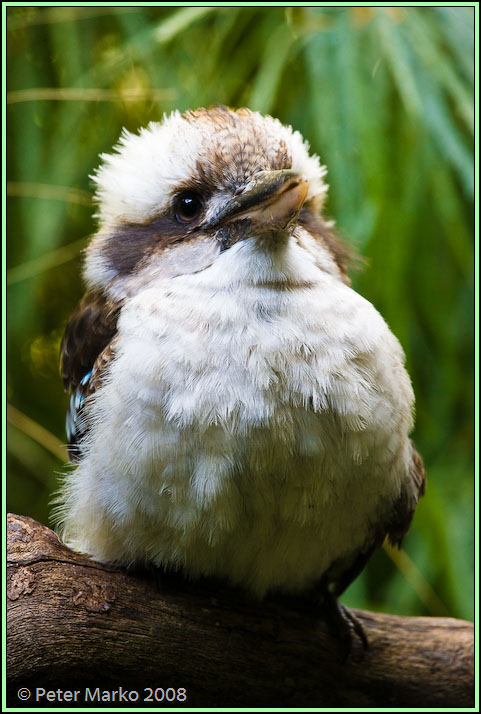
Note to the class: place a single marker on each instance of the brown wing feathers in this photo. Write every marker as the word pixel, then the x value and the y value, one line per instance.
pixel 86 350
pixel 89 330
pixel 405 506
pixel 342 573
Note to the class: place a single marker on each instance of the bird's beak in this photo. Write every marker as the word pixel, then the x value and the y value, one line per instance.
pixel 270 201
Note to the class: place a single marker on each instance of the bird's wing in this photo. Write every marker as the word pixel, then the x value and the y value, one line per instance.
pixel 395 526
pixel 402 513
pixel 86 350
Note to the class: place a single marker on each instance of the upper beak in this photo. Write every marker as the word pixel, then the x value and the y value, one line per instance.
pixel 270 201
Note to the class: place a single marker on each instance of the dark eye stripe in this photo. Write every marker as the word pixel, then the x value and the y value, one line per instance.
pixel 130 243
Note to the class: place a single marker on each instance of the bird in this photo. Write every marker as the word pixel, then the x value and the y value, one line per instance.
pixel 237 410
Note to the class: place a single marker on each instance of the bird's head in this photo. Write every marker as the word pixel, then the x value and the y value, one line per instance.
pixel 180 193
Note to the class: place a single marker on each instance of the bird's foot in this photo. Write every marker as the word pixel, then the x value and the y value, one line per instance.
pixel 342 623
pixel 153 574
pixel 157 574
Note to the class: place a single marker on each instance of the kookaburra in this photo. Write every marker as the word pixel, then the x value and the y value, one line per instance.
pixel 237 410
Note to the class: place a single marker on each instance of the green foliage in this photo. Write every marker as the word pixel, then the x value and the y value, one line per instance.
pixel 385 96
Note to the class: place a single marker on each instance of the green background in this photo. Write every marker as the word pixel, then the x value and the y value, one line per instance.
pixel 384 96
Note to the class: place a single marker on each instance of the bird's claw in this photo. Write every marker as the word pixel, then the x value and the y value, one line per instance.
pixel 343 623
pixel 355 624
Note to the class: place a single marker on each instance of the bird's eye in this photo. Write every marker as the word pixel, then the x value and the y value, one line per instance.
pixel 187 206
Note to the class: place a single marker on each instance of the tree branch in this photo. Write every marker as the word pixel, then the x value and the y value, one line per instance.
pixel 73 623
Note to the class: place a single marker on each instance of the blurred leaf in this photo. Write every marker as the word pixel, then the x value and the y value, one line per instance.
pixel 52 259
pixel 417 581
pixel 87 95
pixel 173 25
pixel 36 432
pixel 272 65
pixel 398 54
pixel 42 190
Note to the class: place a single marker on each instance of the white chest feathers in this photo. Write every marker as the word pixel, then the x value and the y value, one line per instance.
pixel 250 427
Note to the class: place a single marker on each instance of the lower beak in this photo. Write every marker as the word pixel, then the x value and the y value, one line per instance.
pixel 270 201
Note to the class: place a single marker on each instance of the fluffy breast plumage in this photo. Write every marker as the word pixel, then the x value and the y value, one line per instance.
pixel 256 433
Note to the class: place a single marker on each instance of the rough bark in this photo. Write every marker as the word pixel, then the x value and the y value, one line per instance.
pixel 75 624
